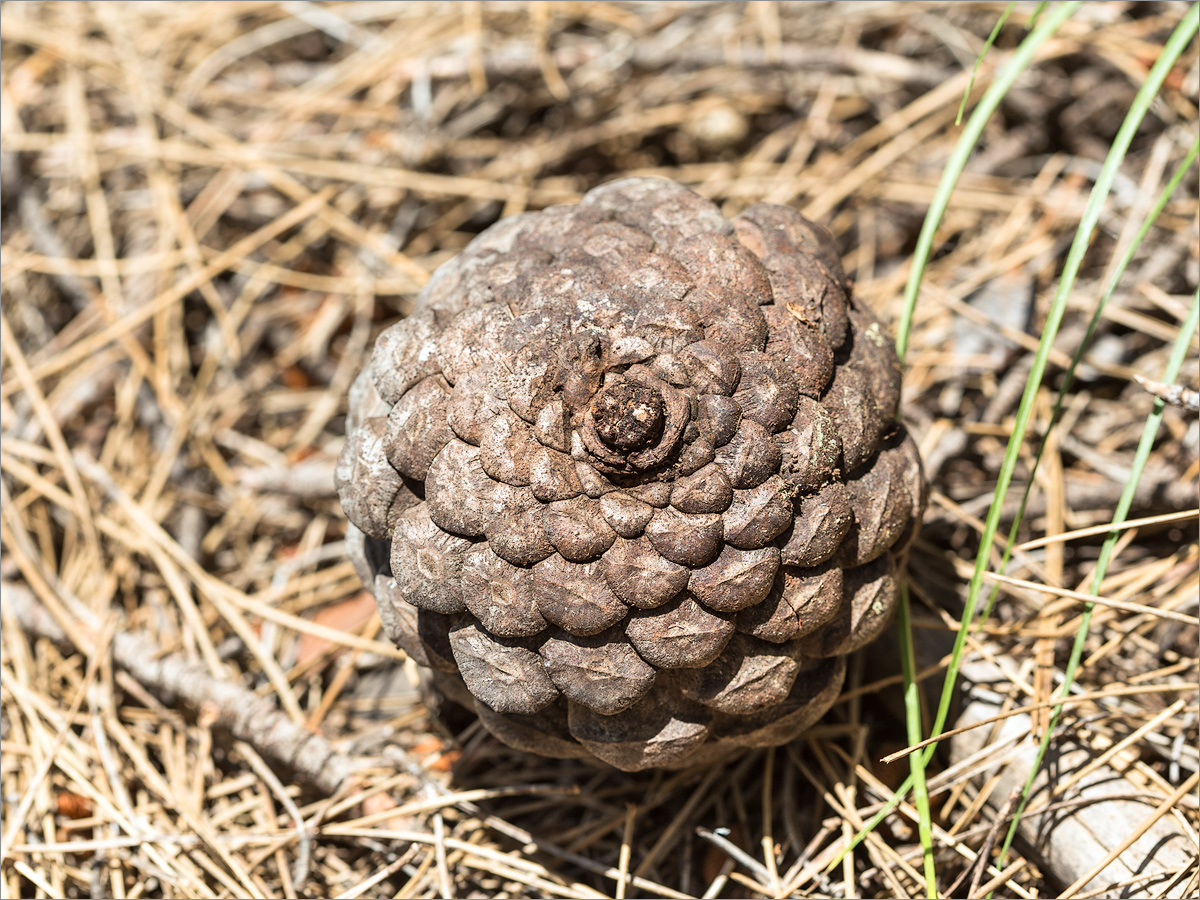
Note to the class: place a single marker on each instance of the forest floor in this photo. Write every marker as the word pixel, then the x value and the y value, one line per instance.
pixel 210 210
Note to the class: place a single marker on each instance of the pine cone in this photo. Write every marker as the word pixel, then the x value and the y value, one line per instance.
pixel 629 482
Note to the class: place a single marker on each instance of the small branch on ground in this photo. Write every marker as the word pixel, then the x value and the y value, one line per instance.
pixel 307 481
pixel 247 716
pixel 1173 394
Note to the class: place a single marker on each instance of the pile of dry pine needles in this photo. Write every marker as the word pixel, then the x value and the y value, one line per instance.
pixel 209 210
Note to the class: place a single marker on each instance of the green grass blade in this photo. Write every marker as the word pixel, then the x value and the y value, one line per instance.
pixel 912 720
pixel 1151 217
pixel 987 45
pixel 1091 215
pixel 1176 44
pixel 1020 61
pixel 1145 445
pixel 1069 376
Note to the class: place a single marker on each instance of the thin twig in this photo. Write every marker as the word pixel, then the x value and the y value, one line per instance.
pixel 175 679
pixel 1172 394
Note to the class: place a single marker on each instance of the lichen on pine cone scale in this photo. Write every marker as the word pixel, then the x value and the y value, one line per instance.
pixel 628 482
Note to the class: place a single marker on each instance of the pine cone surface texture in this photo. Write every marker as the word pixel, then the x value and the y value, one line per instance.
pixel 628 482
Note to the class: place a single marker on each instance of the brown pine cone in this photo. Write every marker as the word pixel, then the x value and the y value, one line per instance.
pixel 629 480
